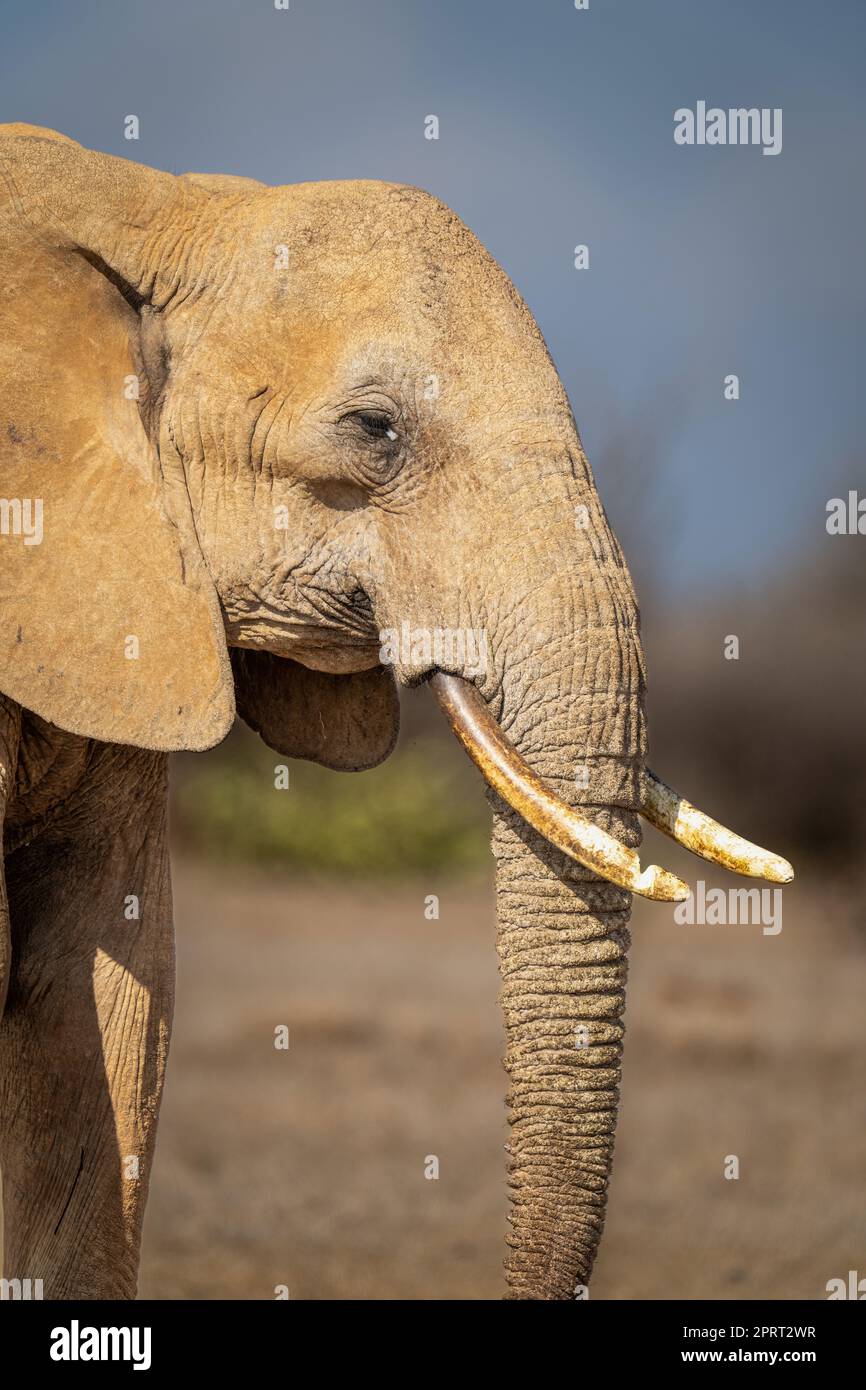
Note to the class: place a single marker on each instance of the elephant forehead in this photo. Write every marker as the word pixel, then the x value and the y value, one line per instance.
pixel 389 242
pixel 366 214
pixel 326 281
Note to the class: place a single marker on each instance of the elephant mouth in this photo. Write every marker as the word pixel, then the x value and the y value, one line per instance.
pixel 506 771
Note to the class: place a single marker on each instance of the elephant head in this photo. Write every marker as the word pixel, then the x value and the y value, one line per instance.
pixel 286 448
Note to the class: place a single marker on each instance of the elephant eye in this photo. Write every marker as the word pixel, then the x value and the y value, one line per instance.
pixel 375 424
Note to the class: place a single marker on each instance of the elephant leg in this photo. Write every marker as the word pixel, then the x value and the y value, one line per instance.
pixel 84 1036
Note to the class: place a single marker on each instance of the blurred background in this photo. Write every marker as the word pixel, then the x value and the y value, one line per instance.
pixel 306 908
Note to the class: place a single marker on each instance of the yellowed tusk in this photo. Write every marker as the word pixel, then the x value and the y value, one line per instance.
pixel 509 775
pixel 668 811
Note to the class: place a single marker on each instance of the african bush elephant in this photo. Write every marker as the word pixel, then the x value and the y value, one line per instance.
pixel 248 432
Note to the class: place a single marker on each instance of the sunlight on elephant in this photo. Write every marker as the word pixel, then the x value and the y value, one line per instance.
pixel 275 451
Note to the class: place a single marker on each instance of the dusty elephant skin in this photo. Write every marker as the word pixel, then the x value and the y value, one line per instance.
pixel 277 423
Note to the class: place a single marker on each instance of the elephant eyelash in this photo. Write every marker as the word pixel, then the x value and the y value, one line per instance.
pixel 374 424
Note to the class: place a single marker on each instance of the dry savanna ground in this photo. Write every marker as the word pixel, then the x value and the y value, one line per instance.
pixel 306 1167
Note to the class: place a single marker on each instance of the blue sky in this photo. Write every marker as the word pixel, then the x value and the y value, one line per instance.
pixel 556 128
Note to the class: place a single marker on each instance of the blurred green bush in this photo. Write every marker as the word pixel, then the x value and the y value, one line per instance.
pixel 424 808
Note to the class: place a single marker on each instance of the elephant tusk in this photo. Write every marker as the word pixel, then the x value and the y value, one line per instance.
pixel 509 775
pixel 669 812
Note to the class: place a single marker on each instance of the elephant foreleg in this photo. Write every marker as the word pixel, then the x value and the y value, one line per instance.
pixel 85 1033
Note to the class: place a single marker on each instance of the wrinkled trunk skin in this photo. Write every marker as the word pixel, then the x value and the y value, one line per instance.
pixel 562 945
pixel 571 692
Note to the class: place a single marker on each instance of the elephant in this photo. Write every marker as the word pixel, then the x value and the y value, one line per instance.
pixel 247 432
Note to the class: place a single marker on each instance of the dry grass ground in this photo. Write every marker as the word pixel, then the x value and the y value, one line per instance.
pixel 306 1167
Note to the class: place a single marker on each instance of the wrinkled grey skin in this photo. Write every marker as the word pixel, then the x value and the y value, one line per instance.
pixel 269 391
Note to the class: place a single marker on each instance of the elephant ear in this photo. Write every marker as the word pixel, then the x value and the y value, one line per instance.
pixel 109 624
pixel 345 722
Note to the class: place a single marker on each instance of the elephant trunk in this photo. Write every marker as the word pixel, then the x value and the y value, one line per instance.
pixel 563 749
pixel 562 944
pixel 562 934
